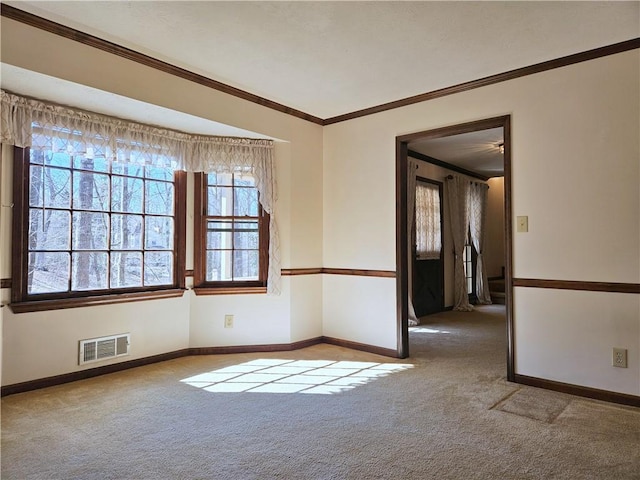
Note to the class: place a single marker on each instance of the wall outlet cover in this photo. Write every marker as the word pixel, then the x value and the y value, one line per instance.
pixel 619 357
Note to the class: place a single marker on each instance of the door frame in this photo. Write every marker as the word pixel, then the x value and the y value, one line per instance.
pixel 402 240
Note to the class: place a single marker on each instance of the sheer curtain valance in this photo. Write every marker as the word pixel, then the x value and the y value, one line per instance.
pixel 40 125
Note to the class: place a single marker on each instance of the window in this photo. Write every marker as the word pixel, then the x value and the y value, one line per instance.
pixel 232 238
pixel 427 219
pixel 85 226
pixel 469 257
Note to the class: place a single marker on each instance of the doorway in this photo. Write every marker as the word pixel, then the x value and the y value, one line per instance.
pixel 404 275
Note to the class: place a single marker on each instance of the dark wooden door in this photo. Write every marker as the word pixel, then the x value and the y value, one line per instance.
pixel 428 291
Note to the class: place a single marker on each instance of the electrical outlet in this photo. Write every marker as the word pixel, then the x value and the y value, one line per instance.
pixel 228 321
pixel 619 357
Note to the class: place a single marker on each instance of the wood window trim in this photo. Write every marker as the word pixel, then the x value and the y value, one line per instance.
pixel 21 302
pixel 201 285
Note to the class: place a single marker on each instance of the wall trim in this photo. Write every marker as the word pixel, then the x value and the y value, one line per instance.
pixel 89 373
pixel 185 352
pixel 588 392
pixel 115 49
pixel 291 272
pixel 360 273
pixel 493 79
pixel 338 271
pixel 448 166
pixel 613 287
pixel 386 352
pixel 276 347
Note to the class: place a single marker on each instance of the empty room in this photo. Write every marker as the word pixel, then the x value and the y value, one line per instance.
pixel 324 240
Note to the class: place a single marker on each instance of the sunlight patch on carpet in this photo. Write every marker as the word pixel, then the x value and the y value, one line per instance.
pixel 426 330
pixel 293 376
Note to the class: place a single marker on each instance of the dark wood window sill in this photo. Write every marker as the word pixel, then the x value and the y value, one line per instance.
pixel 42 305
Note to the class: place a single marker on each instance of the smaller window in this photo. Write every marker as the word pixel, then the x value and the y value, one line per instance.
pixel 232 238
pixel 469 257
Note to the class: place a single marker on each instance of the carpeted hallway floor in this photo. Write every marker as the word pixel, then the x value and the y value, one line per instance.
pixel 444 413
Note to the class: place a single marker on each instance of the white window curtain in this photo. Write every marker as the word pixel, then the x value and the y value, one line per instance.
pixel 412 167
pixel 457 193
pixel 478 194
pixel 428 237
pixel 26 122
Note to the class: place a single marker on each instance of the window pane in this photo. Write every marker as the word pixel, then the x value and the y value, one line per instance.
pixel 96 164
pixel 58 159
pixel 219 201
pixel 126 232
pixel 46 157
pixel 127 169
pixel 90 231
pixel 48 272
pixel 219 234
pixel 51 186
pixel 126 269
pixel 49 229
pixel 225 179
pixel 89 271
pixel 219 265
pixel 240 180
pixel 126 194
pixel 158 268
pixel 159 173
pixel 90 191
pixel 159 197
pixel 246 236
pixel 245 265
pixel 246 202
pixel 158 233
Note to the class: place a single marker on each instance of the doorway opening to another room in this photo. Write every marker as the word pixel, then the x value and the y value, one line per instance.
pixel 470 162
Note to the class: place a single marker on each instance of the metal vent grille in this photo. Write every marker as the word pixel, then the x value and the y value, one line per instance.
pixel 97 349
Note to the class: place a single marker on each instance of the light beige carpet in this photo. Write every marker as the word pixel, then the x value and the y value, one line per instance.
pixel 449 414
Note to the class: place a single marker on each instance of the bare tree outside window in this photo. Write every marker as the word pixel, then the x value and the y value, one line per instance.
pixel 96 225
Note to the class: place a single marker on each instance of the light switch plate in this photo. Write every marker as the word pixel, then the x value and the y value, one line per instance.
pixel 522 224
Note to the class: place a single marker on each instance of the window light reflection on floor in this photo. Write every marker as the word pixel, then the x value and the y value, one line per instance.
pixel 425 330
pixel 293 376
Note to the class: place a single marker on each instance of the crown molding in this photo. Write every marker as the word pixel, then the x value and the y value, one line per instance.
pixel 21 16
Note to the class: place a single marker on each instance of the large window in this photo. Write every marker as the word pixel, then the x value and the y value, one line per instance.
pixel 86 226
pixel 231 244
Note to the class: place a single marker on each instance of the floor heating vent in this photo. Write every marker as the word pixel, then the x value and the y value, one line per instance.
pixel 103 348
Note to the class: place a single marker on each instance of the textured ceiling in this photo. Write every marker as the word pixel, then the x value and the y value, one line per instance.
pixel 331 58
pixel 478 151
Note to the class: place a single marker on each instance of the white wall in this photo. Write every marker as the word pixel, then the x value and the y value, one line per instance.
pixel 575 163
pixel 38 345
pixel 575 174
